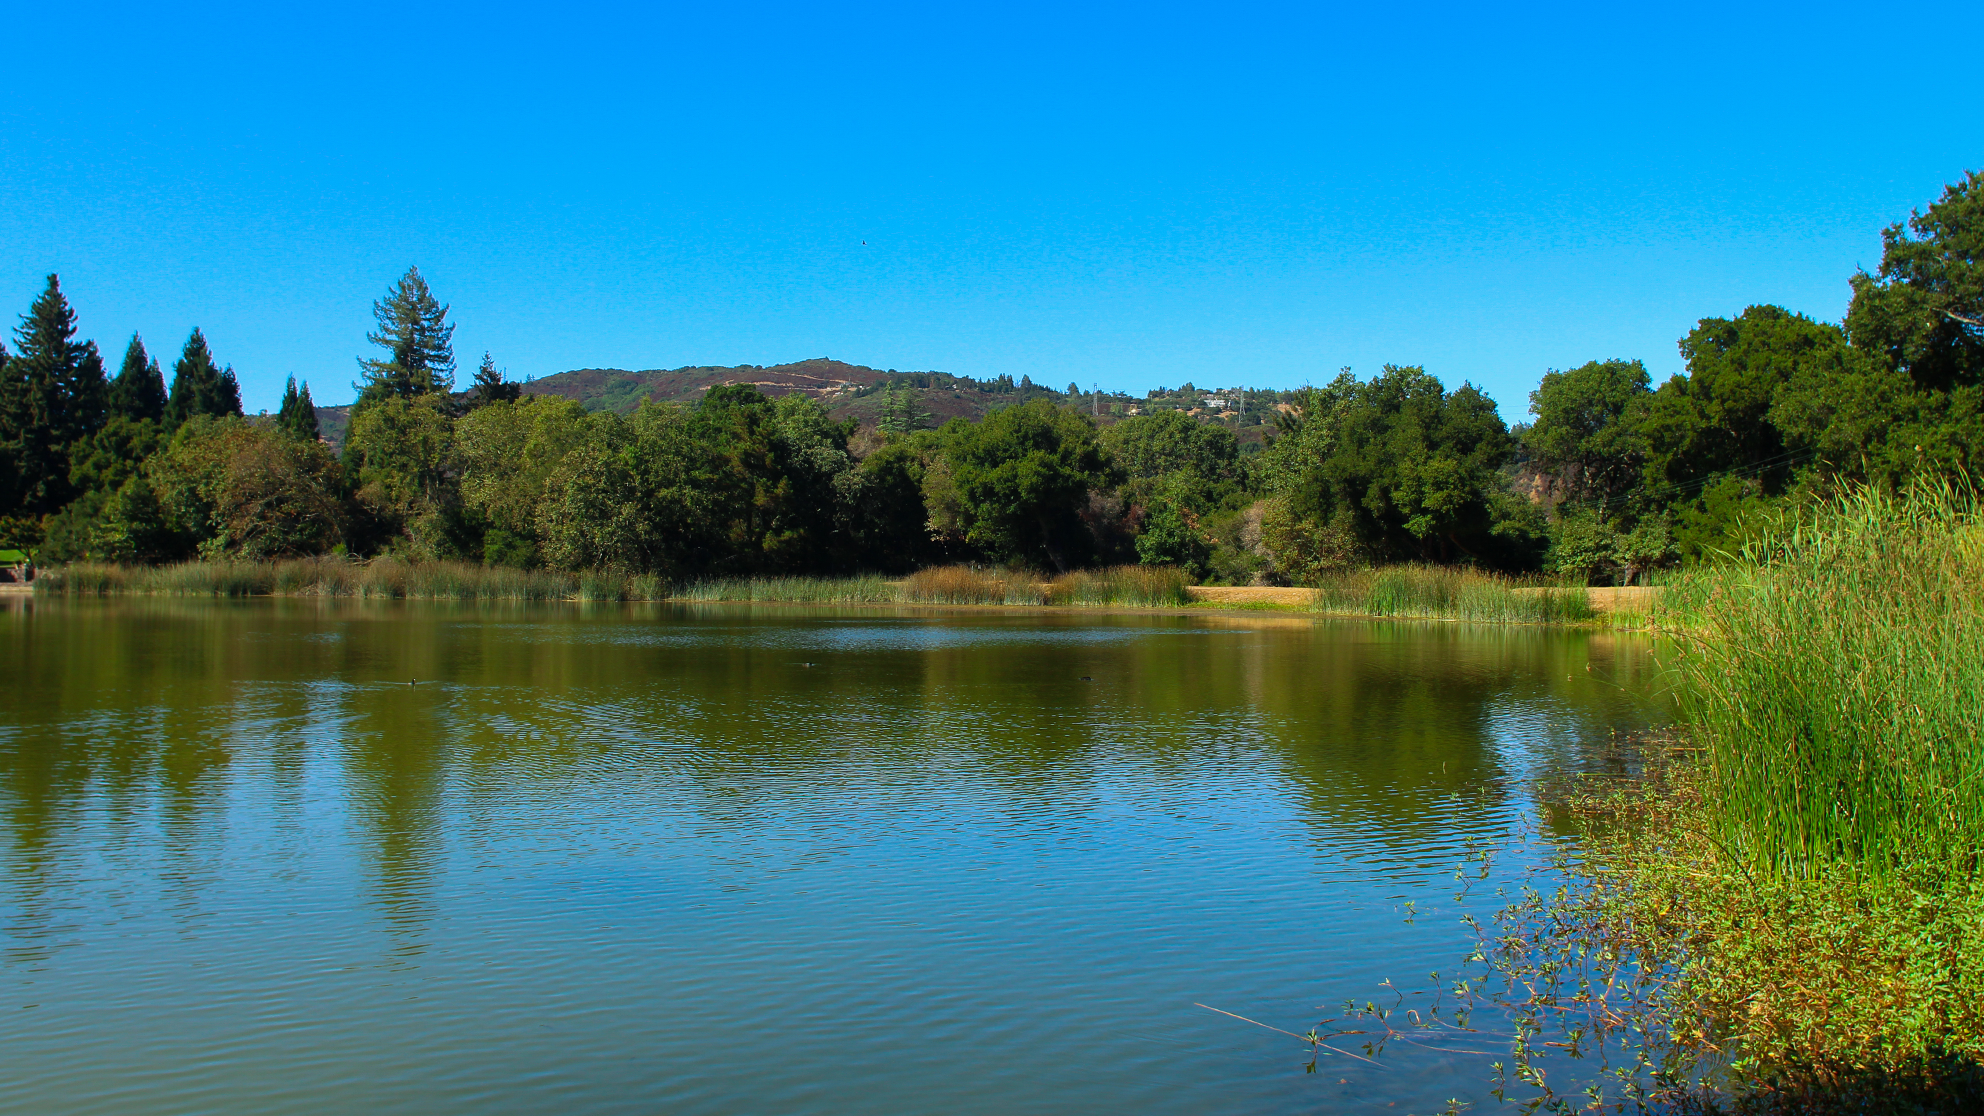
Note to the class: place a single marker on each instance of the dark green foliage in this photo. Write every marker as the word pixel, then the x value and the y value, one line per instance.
pixel 298 415
pixel 238 490
pixel 69 530
pixel 138 392
pixel 1178 470
pixel 1152 447
pixel 1170 536
pixel 490 386
pixel 1598 548
pixel 414 330
pixel 51 395
pixel 1924 314
pixel 133 527
pixel 503 548
pixel 1587 428
pixel 887 520
pixel 900 413
pixel 635 495
pixel 1715 420
pixel 104 461
pixel 199 386
pixel 1018 481
pixel 1406 468
pixel 770 474
pixel 400 452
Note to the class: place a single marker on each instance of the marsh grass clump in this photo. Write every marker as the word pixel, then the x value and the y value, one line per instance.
pixel 865 589
pixel 1448 593
pixel 1835 678
pixel 1136 586
pixel 186 579
pixel 968 585
pixel 83 579
pixel 379 579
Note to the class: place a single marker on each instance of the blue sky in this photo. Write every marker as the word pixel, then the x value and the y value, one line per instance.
pixel 1133 196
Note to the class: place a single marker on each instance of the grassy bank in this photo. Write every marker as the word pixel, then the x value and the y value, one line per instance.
pixel 1405 592
pixel 1791 917
pixel 385 579
pixel 382 579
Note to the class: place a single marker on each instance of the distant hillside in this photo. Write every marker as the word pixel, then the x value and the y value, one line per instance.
pixel 846 390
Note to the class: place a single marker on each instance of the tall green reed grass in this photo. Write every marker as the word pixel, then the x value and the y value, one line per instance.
pixel 1438 592
pixel 391 579
pixel 1835 671
pixel 381 579
pixel 868 589
pixel 1136 586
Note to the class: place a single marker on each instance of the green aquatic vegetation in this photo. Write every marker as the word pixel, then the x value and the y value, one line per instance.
pixel 379 579
pixel 1833 675
pixel 1788 918
pixel 1447 593
pixel 797 590
pixel 1697 985
pixel 1141 586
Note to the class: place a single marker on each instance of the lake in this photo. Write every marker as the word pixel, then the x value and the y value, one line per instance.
pixel 738 859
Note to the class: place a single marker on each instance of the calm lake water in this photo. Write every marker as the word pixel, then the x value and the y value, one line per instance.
pixel 734 860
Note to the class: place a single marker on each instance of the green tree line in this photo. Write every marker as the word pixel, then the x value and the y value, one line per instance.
pixel 1609 477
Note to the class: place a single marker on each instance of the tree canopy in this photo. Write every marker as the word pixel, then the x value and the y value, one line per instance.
pixel 413 328
pixel 1924 311
pixel 1402 466
pixel 1608 478
pixel 298 415
pixel 51 396
pixel 138 392
pixel 490 386
pixel 199 385
pixel 1016 482
pixel 1586 431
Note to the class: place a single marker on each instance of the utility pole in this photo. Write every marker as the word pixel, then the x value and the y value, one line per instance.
pixel 1094 400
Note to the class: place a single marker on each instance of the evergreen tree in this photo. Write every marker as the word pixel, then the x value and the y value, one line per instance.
pixel 899 412
pixel 298 416
pixel 51 395
pixel 138 392
pixel 414 331
pixel 199 386
pixel 491 387
pixel 10 473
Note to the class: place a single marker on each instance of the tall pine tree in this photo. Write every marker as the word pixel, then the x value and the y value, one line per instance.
pixel 199 386
pixel 51 396
pixel 10 472
pixel 491 387
pixel 138 392
pixel 419 342
pixel 298 416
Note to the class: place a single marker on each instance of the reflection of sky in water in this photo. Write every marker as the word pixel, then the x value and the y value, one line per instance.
pixel 629 865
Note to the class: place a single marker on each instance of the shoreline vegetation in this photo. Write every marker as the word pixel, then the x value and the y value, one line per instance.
pixel 1398 592
pixel 1609 480
pixel 1778 908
